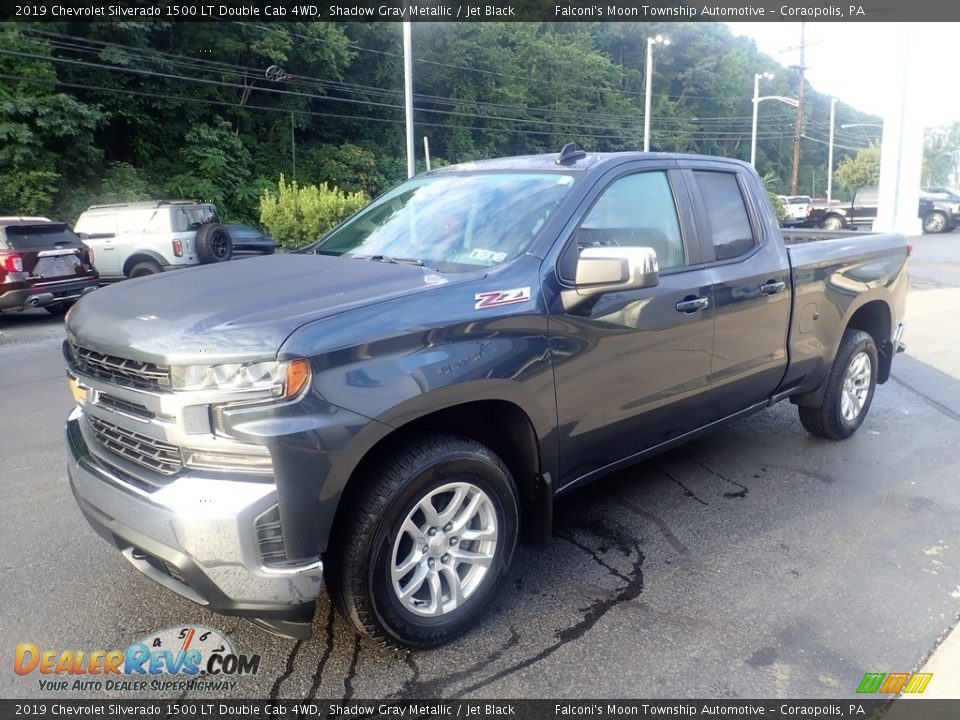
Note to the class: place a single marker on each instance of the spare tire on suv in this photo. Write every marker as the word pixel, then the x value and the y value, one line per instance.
pixel 214 243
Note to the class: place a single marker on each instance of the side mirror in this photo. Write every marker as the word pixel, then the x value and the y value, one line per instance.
pixel 603 270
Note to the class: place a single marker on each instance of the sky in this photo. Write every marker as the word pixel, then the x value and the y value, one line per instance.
pixel 855 61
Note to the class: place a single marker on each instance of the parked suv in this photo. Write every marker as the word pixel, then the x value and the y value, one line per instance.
pixel 42 264
pixel 144 238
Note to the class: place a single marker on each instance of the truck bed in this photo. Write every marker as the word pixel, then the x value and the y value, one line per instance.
pixel 833 273
pixel 797 236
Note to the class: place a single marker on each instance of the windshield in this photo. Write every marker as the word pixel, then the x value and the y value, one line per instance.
pixel 452 222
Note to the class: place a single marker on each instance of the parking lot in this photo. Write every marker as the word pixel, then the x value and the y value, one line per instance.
pixel 756 561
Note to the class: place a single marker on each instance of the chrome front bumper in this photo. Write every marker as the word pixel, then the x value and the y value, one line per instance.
pixel 196 536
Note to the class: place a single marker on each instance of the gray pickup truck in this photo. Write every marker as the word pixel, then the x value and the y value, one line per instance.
pixel 387 413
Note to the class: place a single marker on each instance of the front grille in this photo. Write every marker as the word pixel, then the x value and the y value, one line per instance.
pixel 161 457
pixel 123 371
pixel 131 408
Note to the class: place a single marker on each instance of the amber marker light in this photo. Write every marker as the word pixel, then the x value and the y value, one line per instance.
pixel 298 375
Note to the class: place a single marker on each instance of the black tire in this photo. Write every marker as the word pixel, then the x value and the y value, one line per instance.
pixel 360 564
pixel 145 267
pixel 59 308
pixel 214 243
pixel 832 222
pixel 935 222
pixel 828 420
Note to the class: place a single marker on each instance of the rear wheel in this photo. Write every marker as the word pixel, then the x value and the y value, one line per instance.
pixel 427 544
pixel 145 267
pixel 850 388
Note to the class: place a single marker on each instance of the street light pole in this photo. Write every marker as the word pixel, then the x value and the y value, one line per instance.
pixel 651 41
pixel 833 117
pixel 756 105
pixel 408 96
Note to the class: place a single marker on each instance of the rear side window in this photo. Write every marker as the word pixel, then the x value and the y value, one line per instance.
pixel 867 196
pixel 101 224
pixel 726 213
pixel 636 211
pixel 134 222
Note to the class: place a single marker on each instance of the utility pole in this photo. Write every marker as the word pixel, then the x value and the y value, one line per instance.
pixel 799 128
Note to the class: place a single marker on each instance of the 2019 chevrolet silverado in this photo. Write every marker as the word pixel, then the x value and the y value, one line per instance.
pixel 387 412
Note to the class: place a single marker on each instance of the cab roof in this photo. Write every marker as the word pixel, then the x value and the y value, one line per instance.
pixel 582 162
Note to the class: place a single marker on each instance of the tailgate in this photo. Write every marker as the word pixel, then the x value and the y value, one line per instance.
pixel 49 252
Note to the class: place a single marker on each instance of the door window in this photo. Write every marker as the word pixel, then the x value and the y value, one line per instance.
pixel 636 211
pixel 726 213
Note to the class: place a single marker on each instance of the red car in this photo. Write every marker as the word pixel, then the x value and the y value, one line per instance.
pixel 42 264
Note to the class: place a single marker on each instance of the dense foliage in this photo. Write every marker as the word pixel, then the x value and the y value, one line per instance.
pixel 123 111
pixel 296 215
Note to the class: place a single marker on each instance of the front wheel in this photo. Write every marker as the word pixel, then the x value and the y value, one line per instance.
pixel 426 546
pixel 935 222
pixel 832 223
pixel 850 388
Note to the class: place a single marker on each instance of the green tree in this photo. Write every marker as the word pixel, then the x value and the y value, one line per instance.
pixel 213 165
pixel 863 169
pixel 941 155
pixel 297 215
pixel 46 137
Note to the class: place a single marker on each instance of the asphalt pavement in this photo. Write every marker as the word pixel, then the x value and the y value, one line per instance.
pixel 757 561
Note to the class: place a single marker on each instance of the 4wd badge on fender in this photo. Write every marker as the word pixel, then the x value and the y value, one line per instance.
pixel 496 298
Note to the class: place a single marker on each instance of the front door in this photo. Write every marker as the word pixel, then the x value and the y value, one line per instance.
pixel 632 367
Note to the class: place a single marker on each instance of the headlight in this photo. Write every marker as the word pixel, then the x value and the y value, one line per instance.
pixel 281 379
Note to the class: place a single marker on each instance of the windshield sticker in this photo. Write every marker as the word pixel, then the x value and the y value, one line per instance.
pixel 496 298
pixel 484 255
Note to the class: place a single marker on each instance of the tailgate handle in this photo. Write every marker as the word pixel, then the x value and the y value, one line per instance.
pixel 692 304
pixel 772 287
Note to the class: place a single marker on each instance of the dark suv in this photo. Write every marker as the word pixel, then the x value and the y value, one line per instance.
pixel 42 264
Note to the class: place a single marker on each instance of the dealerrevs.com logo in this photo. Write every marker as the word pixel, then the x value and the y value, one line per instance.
pixel 191 657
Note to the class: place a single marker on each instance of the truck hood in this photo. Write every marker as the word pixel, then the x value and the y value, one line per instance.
pixel 238 311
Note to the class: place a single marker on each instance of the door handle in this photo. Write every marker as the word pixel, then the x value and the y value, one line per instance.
pixel 772 287
pixel 692 304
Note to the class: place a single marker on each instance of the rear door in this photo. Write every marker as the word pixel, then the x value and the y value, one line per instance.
pixel 100 231
pixel 750 283
pixel 631 368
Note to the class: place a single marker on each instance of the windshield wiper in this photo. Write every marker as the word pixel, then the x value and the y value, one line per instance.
pixel 388 259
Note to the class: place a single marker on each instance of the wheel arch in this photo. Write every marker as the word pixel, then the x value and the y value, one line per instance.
pixel 874 318
pixel 501 425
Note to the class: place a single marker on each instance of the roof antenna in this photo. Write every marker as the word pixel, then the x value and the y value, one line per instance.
pixel 570 154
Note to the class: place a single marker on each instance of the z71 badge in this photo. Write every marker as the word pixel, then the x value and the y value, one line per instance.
pixel 496 298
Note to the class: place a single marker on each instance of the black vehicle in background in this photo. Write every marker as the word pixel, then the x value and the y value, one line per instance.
pixel 42 264
pixel 249 239
pixel 938 212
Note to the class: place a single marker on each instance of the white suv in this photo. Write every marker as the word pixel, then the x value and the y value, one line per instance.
pixel 143 238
